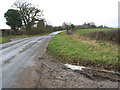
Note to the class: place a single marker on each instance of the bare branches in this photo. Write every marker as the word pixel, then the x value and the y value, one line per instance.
pixel 29 13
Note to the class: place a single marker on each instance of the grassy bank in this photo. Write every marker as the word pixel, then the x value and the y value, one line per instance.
pixel 83 51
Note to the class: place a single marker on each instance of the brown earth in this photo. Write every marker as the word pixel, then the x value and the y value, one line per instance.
pixel 53 74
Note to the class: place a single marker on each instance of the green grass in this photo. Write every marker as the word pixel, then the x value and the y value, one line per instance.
pixel 83 51
pixel 4 39
pixel 83 31
pixel 7 38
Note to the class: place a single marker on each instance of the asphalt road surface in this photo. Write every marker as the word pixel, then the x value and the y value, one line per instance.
pixel 18 55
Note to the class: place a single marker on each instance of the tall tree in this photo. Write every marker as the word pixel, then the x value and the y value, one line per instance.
pixel 41 24
pixel 65 25
pixel 72 26
pixel 13 19
pixel 29 13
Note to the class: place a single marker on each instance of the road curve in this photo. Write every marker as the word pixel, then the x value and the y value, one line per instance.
pixel 18 55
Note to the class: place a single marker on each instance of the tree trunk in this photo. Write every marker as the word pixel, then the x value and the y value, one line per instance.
pixel 15 31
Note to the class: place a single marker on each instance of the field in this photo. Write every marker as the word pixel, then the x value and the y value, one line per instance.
pixel 79 50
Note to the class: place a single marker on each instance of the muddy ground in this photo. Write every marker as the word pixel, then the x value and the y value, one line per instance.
pixel 52 73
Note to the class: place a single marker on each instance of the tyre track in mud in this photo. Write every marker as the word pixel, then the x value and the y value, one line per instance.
pixel 53 74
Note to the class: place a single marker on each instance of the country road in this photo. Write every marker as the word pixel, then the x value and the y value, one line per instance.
pixel 25 64
pixel 18 55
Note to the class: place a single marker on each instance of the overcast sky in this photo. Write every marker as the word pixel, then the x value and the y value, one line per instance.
pixel 101 12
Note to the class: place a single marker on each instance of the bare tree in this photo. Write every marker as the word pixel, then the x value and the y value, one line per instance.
pixel 65 25
pixel 29 13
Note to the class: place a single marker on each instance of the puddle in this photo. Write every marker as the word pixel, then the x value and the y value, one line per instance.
pixel 74 67
pixel 109 71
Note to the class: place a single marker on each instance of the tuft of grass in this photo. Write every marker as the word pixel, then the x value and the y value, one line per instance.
pixel 4 39
pixel 75 49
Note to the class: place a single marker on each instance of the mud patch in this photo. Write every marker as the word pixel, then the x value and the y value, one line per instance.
pixel 99 75
pixel 53 74
pixel 95 74
pixel 41 58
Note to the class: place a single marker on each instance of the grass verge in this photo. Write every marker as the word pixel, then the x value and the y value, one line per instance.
pixel 83 51
pixel 7 38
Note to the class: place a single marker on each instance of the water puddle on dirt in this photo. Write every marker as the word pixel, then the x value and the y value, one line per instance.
pixel 109 71
pixel 75 67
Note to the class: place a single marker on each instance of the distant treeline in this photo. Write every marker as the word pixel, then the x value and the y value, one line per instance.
pixel 26 19
pixel 41 28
